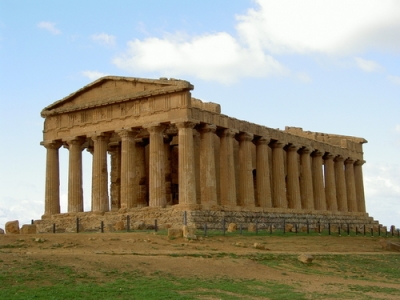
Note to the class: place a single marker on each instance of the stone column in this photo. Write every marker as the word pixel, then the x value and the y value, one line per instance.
pixel 318 181
pixel 246 182
pixel 358 177
pixel 52 188
pixel 263 179
pixel 306 184
pixel 227 168
pixel 330 182
pixel 208 180
pixel 75 191
pixel 187 176
pixel 115 176
pixel 341 192
pixel 156 166
pixel 293 183
pixel 100 173
pixel 350 185
pixel 278 176
pixel 167 159
pixel 128 199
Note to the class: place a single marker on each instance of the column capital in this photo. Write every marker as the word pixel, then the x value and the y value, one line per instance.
pixel 245 136
pixel 359 162
pixel 155 128
pixel 349 161
pixel 56 144
pixel 291 148
pixel 277 144
pixel 100 136
pixel 77 140
pixel 339 158
pixel 262 140
pixel 205 128
pixel 328 156
pixel 186 124
pixel 228 132
pixel 127 133
pixel 305 150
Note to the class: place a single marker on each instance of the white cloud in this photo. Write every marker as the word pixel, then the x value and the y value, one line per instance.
pixel 394 79
pixel 216 56
pixel 49 26
pixel 397 128
pixel 104 38
pixel 93 75
pixel 368 65
pixel 303 77
pixel 329 27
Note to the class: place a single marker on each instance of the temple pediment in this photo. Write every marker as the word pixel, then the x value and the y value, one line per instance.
pixel 114 89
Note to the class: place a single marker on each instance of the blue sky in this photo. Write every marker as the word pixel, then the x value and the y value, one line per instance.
pixel 326 66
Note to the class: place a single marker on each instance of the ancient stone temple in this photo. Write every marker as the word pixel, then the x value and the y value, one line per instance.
pixel 170 153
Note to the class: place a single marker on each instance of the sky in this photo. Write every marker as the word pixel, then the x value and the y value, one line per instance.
pixel 328 66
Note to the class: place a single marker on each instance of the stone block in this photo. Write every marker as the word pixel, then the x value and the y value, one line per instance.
pixel 175 232
pixel 139 225
pixel 289 227
pixel 119 226
pixel 187 230
pixel 28 229
pixel 389 245
pixel 252 227
pixel 260 246
pixel 305 258
pixel 232 227
pixel 12 227
pixel 1 231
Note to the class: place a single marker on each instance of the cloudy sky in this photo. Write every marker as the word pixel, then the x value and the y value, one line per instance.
pixel 324 65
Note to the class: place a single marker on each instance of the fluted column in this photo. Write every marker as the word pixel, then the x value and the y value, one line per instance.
pixel 358 177
pixel 318 181
pixel 350 185
pixel 140 177
pixel 246 182
pixel 227 168
pixel 341 192
pixel 306 184
pixel 263 180
pixel 293 183
pixel 278 176
pixel 168 181
pixel 115 176
pixel 128 199
pixel 52 187
pixel 330 182
pixel 208 180
pixel 156 166
pixel 75 191
pixel 187 176
pixel 100 173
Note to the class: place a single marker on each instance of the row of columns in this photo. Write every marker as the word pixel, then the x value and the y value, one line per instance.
pixel 310 180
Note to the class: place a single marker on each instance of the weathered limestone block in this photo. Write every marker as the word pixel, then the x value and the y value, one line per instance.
pixel 252 227
pixel 188 231
pixel 140 225
pixel 28 229
pixel 232 227
pixel 305 258
pixel 119 226
pixel 389 245
pixel 289 227
pixel 260 246
pixel 12 227
pixel 271 228
pixel 175 232
pixel 1 231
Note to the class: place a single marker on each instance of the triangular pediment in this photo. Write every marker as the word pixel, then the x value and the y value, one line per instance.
pixel 112 89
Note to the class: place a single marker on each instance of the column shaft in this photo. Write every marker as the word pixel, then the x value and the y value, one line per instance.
pixel 278 176
pixel 75 191
pixel 318 181
pixel 306 184
pixel 208 180
pixel 140 180
pixel 157 167
pixel 115 176
pixel 358 177
pixel 341 192
pixel 246 182
pixel 52 187
pixel 330 182
pixel 263 180
pixel 350 185
pixel 227 168
pixel 100 174
pixel 187 176
pixel 293 183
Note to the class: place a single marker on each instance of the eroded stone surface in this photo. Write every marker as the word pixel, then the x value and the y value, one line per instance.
pixel 12 227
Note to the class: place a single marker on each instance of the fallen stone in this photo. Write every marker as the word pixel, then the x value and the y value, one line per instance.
pixel 305 258
pixel 1 231
pixel 186 230
pixel 232 227
pixel 239 244
pixel 39 240
pixel 139 225
pixel 191 237
pixel 289 227
pixel 252 227
pixel 28 229
pixel 260 246
pixel 389 245
pixel 12 227
pixel 119 226
pixel 175 232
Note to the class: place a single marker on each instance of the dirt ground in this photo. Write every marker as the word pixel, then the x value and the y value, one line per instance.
pixel 218 256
